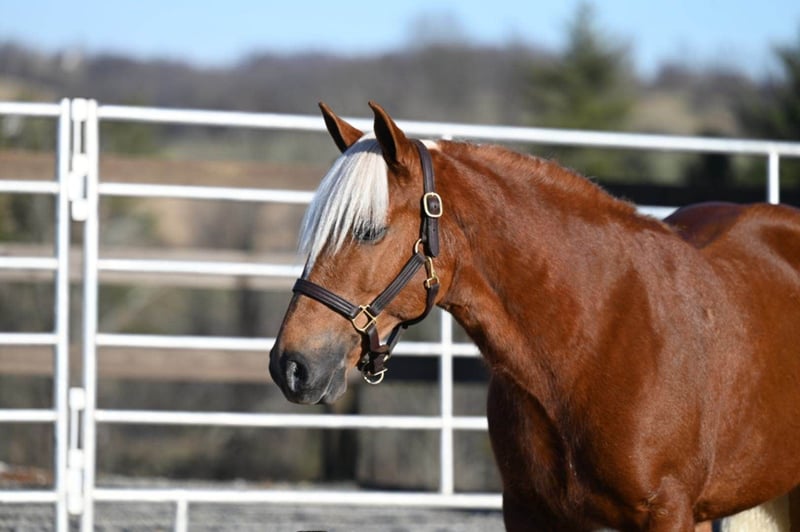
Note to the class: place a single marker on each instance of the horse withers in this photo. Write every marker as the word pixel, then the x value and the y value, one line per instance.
pixel 645 375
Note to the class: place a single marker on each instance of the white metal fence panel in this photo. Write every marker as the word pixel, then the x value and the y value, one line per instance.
pixel 445 423
pixel 59 337
pixel 79 189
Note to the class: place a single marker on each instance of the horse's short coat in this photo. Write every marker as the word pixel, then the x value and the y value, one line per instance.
pixel 645 374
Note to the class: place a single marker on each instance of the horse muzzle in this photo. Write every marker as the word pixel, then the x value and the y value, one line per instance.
pixel 307 379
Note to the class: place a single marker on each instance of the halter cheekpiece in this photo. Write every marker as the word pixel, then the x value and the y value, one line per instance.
pixel 365 317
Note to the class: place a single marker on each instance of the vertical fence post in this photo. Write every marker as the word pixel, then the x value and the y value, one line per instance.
pixel 90 292
pixel 61 326
pixel 773 178
pixel 181 515
pixel 446 389
pixel 446 451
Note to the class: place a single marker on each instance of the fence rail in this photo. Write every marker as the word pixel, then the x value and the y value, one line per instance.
pixel 79 188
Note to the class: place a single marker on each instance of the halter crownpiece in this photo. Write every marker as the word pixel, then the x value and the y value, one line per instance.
pixel 364 318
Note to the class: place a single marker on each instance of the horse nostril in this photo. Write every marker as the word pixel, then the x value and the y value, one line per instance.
pixel 296 375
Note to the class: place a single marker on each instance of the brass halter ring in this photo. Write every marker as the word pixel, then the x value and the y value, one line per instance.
pixel 374 380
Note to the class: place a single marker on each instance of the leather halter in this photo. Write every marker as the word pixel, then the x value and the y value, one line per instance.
pixel 364 317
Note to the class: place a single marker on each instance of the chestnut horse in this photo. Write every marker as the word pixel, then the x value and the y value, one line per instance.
pixel 645 375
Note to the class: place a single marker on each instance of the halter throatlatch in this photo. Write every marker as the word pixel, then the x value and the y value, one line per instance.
pixel 365 317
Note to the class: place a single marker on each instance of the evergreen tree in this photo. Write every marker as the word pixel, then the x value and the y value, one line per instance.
pixel 590 86
pixel 775 113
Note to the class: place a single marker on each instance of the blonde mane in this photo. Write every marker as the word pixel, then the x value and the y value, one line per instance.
pixel 353 196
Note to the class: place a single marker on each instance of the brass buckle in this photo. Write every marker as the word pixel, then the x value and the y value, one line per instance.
pixel 364 311
pixel 427 208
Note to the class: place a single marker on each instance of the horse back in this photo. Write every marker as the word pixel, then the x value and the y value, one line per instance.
pixel 703 223
pixel 762 241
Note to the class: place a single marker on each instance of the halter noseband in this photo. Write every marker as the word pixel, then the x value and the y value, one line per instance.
pixel 364 317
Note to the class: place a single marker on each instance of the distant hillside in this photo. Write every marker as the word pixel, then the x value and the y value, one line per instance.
pixel 453 83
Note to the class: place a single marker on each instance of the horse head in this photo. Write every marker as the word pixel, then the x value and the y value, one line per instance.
pixel 371 237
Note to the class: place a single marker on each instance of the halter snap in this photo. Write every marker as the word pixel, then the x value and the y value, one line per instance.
pixel 433 279
pixel 370 374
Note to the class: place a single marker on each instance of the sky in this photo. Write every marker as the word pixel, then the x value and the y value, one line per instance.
pixel 699 33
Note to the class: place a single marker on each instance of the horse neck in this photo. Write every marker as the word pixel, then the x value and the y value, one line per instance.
pixel 533 262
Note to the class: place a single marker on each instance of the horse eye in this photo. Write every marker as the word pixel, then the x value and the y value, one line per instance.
pixel 369 234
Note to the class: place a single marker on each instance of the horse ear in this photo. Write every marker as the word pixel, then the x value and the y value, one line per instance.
pixel 343 134
pixel 397 149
